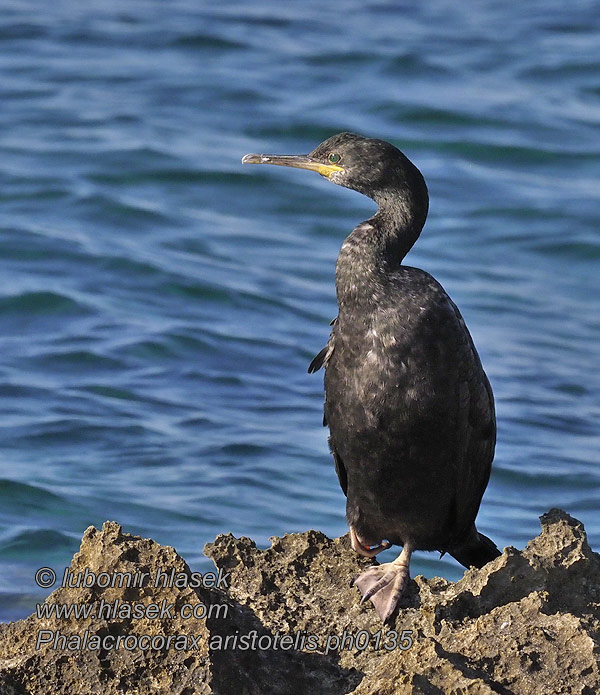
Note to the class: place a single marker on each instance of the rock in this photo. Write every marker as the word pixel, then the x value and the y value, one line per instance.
pixel 286 620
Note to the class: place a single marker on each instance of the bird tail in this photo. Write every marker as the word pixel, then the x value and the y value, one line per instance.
pixel 475 550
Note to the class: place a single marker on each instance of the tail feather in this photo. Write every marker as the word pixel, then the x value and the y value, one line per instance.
pixel 475 551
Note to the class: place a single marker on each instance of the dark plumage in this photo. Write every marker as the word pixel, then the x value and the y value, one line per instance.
pixel 408 405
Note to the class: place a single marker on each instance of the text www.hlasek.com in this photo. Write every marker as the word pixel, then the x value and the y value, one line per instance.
pixel 122 610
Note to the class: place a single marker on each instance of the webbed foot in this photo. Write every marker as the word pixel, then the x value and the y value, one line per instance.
pixel 384 584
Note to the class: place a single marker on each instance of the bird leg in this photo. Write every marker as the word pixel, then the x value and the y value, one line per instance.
pixel 384 584
pixel 365 550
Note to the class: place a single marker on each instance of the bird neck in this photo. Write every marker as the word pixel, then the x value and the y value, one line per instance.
pixel 374 250
pixel 398 224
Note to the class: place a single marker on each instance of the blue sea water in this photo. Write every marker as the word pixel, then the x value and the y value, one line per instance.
pixel 159 303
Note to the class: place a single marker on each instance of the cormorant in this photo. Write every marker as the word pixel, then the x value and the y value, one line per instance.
pixel 408 405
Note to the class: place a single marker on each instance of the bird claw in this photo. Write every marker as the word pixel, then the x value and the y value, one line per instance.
pixel 366 550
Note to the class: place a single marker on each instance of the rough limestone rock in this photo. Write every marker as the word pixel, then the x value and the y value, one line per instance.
pixel 286 620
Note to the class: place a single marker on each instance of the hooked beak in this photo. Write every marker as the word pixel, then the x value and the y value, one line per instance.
pixel 299 161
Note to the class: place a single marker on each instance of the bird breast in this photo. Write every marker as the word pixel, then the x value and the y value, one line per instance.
pixel 398 360
pixel 363 372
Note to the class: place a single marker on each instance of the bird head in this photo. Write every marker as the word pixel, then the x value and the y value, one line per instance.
pixel 370 166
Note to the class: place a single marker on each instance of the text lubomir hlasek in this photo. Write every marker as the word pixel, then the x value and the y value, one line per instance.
pixel 162 578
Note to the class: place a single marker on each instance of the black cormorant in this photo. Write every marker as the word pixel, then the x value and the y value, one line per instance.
pixel 408 405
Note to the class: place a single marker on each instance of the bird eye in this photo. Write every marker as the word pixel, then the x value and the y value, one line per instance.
pixel 334 157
